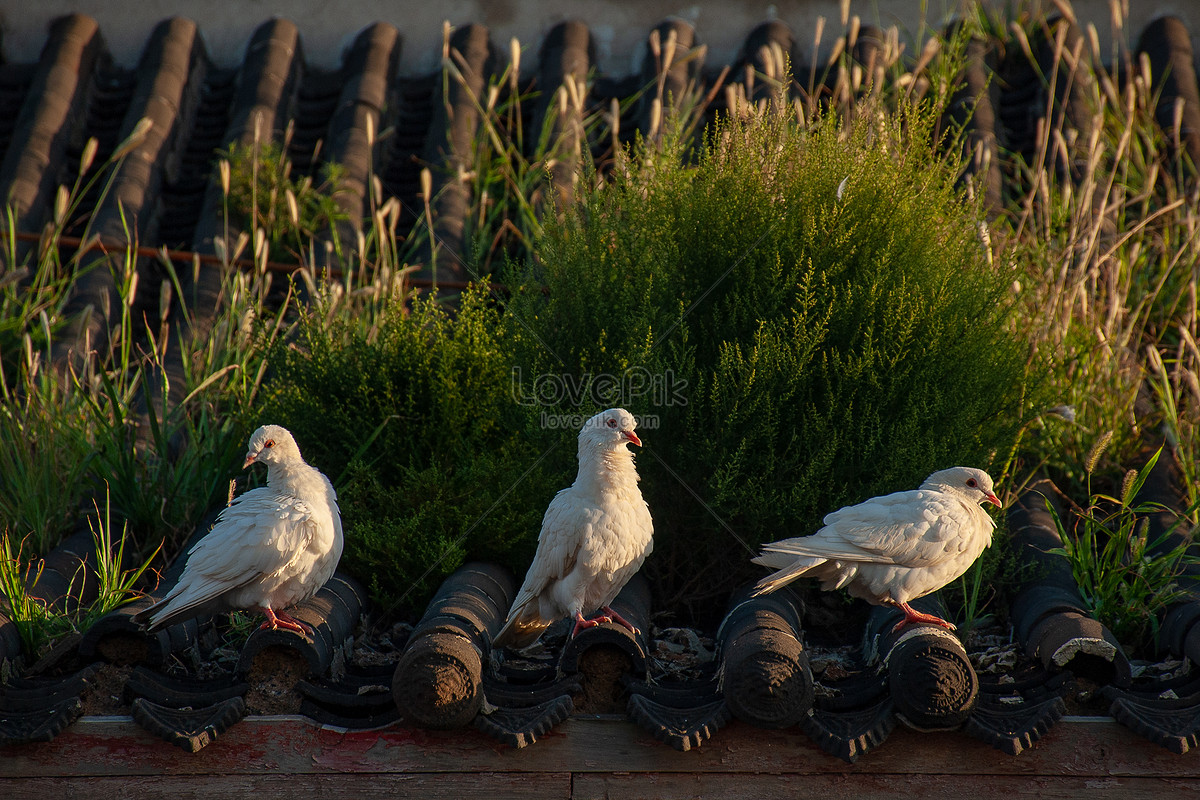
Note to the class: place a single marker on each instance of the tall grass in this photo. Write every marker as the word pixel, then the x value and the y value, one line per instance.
pixel 99 424
pixel 516 154
pixel 1127 579
pixel 68 430
pixel 286 211
pixel 41 621
pixel 156 441
pixel 1109 269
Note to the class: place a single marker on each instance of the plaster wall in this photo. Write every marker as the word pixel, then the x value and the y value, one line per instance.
pixel 619 27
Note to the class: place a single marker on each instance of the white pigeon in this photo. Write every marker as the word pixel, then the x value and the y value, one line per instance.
pixel 893 549
pixel 595 535
pixel 271 548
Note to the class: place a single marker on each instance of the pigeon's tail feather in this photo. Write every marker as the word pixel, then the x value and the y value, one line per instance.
pixel 793 567
pixel 522 629
pixel 160 615
pixel 143 617
pixel 176 608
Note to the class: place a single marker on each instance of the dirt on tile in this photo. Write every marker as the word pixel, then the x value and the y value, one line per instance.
pixel 123 649
pixel 104 696
pixel 272 678
pixel 600 669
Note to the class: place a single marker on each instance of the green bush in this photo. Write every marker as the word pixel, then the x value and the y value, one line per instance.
pixel 825 311
pixel 804 315
pixel 413 419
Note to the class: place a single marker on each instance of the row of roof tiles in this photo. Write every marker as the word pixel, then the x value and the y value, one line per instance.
pixel 75 91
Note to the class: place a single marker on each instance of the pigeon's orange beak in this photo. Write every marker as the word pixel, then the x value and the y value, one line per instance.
pixel 991 498
pixel 250 459
pixel 633 437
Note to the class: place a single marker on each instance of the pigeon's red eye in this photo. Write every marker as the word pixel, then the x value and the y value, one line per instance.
pixel 269 443
pixel 971 483
pixel 612 423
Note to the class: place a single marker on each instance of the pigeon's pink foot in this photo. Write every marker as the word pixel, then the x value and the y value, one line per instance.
pixel 617 618
pixel 278 619
pixel 582 624
pixel 911 615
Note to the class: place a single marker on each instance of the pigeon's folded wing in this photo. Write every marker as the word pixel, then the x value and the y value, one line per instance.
pixel 259 534
pixel 564 527
pixel 913 528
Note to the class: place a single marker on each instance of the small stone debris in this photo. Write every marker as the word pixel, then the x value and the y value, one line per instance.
pixel 995 659
pixel 832 664
pixel 367 651
pixel 1167 669
pixel 679 654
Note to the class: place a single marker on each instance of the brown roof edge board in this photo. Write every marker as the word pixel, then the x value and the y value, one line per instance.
pixel 112 756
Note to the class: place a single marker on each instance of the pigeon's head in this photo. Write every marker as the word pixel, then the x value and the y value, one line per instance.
pixel 271 444
pixel 609 429
pixel 974 484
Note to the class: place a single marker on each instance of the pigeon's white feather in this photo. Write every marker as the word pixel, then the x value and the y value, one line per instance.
pixel 595 535
pixel 895 548
pixel 273 547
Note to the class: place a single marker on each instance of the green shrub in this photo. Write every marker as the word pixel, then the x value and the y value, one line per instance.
pixel 412 418
pixel 820 298
pixel 804 313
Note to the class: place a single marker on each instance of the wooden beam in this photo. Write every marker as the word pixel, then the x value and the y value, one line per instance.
pixel 364 786
pixel 669 786
pixel 584 757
